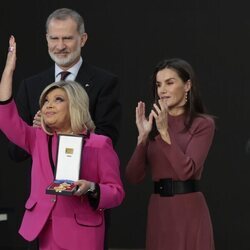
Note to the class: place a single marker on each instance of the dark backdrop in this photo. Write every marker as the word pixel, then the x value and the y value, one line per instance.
pixel 129 38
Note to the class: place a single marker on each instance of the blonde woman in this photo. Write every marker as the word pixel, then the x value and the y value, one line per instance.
pixel 62 222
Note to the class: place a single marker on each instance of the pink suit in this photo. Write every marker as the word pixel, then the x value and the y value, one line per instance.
pixel 75 224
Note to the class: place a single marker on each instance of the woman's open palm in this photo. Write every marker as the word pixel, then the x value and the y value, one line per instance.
pixel 143 124
pixel 11 57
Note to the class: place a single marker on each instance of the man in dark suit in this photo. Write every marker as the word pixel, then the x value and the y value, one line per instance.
pixel 66 37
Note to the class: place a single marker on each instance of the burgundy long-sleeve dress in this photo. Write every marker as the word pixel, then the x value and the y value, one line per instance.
pixel 182 221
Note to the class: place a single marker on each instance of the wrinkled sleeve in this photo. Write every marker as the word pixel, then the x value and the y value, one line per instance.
pixel 110 184
pixel 136 167
pixel 15 129
pixel 16 153
pixel 189 163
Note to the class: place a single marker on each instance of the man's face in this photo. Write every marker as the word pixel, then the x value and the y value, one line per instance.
pixel 64 42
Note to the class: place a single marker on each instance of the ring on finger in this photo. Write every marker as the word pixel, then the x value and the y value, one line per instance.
pixel 11 48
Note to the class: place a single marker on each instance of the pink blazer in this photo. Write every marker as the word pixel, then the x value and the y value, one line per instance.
pixel 75 222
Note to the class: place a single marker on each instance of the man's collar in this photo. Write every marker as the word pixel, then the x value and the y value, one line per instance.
pixel 73 70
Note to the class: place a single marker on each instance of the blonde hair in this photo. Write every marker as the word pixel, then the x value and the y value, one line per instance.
pixel 80 117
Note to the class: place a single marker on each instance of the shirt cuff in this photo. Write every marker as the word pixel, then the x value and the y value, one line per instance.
pixel 94 197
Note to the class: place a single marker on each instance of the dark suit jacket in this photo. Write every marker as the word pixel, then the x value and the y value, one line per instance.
pixel 101 86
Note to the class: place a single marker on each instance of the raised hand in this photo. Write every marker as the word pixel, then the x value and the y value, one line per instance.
pixel 160 114
pixel 143 124
pixel 11 57
pixel 6 80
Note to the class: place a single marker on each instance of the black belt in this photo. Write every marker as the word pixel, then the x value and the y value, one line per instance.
pixel 169 187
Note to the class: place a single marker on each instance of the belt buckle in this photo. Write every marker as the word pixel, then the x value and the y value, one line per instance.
pixel 166 187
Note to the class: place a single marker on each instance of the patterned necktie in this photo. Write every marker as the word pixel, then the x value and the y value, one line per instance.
pixel 64 74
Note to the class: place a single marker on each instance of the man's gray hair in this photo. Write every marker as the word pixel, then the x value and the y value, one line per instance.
pixel 64 14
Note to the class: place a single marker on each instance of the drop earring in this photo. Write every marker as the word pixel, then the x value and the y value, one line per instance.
pixel 186 97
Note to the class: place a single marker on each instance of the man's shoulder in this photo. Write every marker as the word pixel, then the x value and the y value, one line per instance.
pixel 97 71
pixel 43 75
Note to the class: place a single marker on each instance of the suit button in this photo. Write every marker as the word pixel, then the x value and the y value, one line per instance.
pixel 53 200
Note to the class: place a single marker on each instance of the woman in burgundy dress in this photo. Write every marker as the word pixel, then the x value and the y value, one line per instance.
pixel 174 142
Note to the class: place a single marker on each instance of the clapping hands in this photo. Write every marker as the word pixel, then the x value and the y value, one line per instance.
pixel 160 114
pixel 144 125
